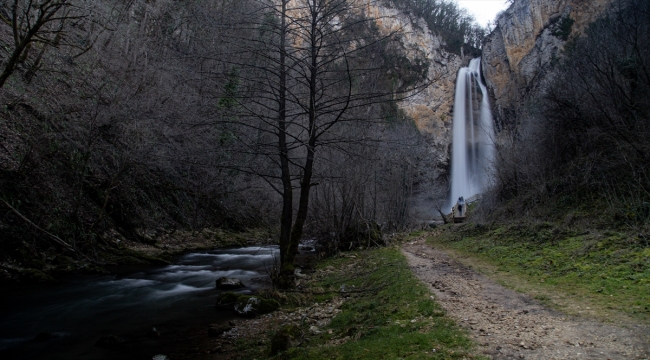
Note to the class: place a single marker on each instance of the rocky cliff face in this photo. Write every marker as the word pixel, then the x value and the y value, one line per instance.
pixel 529 37
pixel 431 108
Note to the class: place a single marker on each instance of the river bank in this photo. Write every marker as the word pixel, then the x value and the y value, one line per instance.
pixel 117 253
pixel 135 314
pixel 363 304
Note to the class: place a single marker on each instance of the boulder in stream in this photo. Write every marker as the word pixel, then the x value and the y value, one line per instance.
pixel 225 283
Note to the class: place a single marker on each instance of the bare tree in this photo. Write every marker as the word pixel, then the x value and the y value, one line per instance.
pixel 315 67
pixel 35 22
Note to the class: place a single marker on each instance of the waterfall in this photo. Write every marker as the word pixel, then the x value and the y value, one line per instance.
pixel 473 135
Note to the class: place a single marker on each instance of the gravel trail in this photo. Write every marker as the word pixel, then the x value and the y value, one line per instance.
pixel 510 325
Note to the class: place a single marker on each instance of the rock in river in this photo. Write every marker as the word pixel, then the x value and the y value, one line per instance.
pixel 229 283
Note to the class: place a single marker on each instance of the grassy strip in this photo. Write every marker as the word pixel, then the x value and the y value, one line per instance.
pixel 387 313
pixel 609 271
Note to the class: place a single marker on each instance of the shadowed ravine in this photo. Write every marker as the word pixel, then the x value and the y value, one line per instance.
pixel 79 311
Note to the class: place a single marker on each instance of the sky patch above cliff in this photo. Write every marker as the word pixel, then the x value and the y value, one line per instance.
pixel 484 11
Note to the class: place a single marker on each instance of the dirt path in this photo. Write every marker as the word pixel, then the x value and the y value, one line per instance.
pixel 510 325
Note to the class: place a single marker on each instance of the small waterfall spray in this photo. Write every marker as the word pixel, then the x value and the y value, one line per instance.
pixel 473 135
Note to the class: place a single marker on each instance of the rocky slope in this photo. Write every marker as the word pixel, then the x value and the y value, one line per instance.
pixel 529 37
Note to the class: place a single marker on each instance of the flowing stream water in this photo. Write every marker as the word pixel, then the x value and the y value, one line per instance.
pixel 473 135
pixel 77 312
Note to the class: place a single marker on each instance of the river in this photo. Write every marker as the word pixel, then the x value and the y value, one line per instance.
pixel 173 299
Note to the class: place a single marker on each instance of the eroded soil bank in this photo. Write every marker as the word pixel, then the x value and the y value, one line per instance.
pixel 510 325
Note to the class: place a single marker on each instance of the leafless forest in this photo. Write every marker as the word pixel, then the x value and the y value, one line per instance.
pixel 129 119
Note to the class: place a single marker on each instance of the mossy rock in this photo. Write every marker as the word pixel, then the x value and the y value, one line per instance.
pixel 284 338
pixel 227 298
pixel 251 306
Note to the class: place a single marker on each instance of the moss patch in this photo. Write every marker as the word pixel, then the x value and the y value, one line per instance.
pixel 610 270
pixel 387 314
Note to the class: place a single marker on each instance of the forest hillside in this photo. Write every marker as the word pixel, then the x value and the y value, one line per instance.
pixel 131 122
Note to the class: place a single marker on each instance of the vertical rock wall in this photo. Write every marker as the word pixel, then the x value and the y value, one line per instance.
pixel 519 55
pixel 431 108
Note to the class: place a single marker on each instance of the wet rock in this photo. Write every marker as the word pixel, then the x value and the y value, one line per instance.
pixel 227 299
pixel 225 283
pixel 109 341
pixel 251 306
pixel 216 330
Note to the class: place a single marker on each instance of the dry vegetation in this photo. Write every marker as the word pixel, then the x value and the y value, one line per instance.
pixel 578 149
pixel 134 119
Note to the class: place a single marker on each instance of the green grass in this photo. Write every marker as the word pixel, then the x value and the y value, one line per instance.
pixel 388 314
pixel 610 270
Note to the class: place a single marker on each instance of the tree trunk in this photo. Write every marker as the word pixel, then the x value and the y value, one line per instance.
pixel 305 183
pixel 286 272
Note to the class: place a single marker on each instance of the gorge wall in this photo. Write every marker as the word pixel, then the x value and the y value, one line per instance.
pixel 529 37
pixel 431 108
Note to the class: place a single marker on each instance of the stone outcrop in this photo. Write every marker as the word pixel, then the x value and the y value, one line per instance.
pixel 529 37
pixel 431 107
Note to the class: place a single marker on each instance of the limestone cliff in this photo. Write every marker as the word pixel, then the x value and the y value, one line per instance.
pixel 431 107
pixel 519 54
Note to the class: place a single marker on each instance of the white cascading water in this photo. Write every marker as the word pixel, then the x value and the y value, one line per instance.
pixel 473 141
